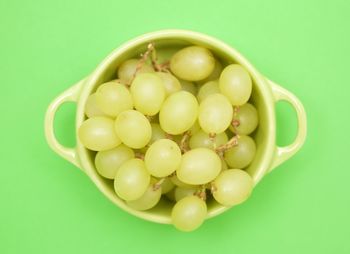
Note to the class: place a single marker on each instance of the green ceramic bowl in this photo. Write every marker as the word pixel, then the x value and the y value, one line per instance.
pixel 264 97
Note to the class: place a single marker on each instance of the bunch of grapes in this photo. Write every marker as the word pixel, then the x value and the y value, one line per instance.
pixel 179 128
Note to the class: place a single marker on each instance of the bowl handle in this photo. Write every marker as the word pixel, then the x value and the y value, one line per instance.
pixel 70 95
pixel 284 153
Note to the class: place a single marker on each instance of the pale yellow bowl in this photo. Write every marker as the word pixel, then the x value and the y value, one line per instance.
pixel 264 97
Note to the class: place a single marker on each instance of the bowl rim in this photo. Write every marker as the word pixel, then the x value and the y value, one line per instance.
pixel 232 53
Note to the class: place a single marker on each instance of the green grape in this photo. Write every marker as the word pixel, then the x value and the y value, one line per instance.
pixel 180 192
pixel 91 108
pixel 148 200
pixel 215 114
pixel 133 129
pixel 195 128
pixel 178 113
pixel 223 165
pixel 189 213
pixel 232 187
pixel 236 84
pixel 170 83
pixel 157 133
pixel 108 162
pixel 165 54
pixel 162 158
pixel 131 180
pixel 167 185
pixel 242 155
pixel 171 195
pixel 209 88
pixel 113 98
pixel 199 166
pixel 202 139
pixel 127 70
pixel 189 87
pixel 215 74
pixel 192 63
pixel 97 134
pixel 245 119
pixel 177 182
pixel 148 93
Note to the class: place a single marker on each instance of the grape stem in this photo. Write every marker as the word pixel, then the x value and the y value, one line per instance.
pixel 143 59
pixel 235 123
pixel 169 136
pixel 164 67
pixel 212 137
pixel 184 143
pixel 139 155
pixel 201 193
pixel 158 184
pixel 231 143
pixel 152 54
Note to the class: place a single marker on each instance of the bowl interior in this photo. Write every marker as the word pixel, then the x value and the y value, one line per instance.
pixel 166 43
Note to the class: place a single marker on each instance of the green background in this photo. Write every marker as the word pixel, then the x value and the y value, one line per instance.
pixel 49 206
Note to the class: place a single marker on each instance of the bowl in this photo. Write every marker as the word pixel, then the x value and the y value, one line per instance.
pixel 265 95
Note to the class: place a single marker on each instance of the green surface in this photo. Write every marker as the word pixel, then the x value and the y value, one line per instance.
pixel 49 206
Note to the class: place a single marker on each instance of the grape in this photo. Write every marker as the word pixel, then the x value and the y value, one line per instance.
pixel 207 89
pixel 162 158
pixel 178 113
pixel 195 128
pixel 242 155
pixel 91 108
pixel 192 63
pixel 223 165
pixel 179 183
pixel 148 200
pixel 232 187
pixel 202 139
pixel 148 93
pixel 167 185
pixel 157 133
pixel 199 166
pixel 108 162
pixel 180 192
pixel 189 213
pixel 245 120
pixel 215 74
pixel 164 54
pixel 170 83
pixel 133 129
pixel 215 114
pixel 236 84
pixel 131 180
pixel 171 195
pixel 113 98
pixel 189 87
pixel 127 69
pixel 97 134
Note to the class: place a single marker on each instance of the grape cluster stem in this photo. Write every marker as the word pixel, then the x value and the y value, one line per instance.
pixel 150 52
pixel 184 143
pixel 231 143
